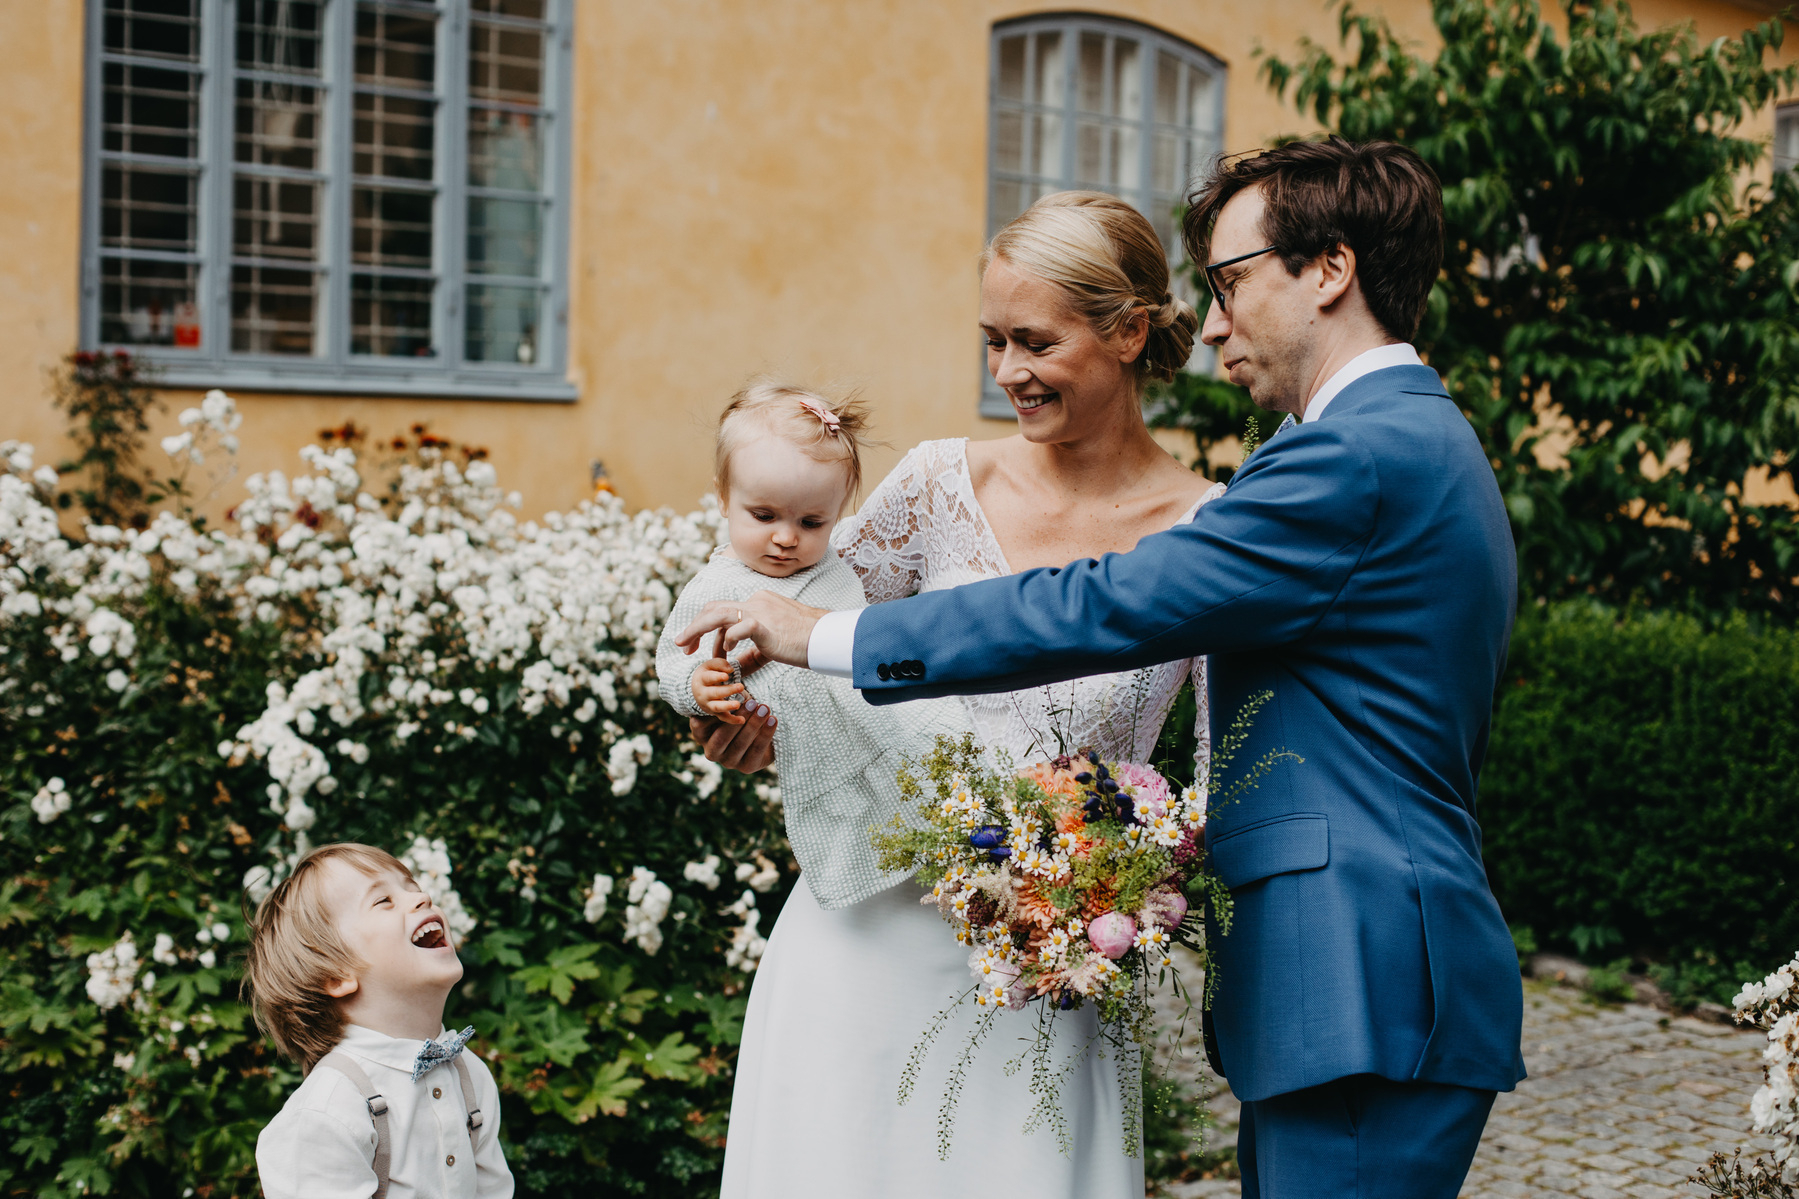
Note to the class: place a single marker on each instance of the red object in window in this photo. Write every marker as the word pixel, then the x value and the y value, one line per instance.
pixel 187 326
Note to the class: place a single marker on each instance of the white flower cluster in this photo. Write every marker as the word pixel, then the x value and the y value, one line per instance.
pixel 51 801
pixel 112 973
pixel 747 944
pixel 646 903
pixel 1773 1004
pixel 410 616
pixel 429 862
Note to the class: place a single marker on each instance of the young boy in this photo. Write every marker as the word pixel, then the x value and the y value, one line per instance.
pixel 348 970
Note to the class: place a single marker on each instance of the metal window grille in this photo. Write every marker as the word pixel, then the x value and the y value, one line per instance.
pixel 1100 104
pixel 357 196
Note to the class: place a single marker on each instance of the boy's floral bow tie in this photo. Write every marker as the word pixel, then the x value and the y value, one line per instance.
pixel 436 1053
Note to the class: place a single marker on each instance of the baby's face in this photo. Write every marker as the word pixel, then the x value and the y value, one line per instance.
pixel 782 506
pixel 392 926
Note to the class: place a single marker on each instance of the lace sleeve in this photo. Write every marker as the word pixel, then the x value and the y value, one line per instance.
pixel 1202 725
pixel 884 541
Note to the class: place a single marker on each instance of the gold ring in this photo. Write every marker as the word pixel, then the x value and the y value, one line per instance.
pixel 740 616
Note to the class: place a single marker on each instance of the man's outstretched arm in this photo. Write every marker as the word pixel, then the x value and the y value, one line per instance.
pixel 1258 568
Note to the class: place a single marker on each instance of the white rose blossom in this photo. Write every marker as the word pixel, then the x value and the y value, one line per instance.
pixel 1773 1004
pixel 112 973
pixel 646 904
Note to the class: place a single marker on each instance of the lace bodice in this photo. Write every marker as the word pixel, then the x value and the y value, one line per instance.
pixel 923 529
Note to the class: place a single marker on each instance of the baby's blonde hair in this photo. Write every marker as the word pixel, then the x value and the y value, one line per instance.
pixel 295 953
pixel 799 417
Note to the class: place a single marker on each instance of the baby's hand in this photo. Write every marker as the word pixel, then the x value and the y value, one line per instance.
pixel 716 692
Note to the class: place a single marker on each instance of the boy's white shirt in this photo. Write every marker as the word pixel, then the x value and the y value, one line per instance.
pixel 321 1145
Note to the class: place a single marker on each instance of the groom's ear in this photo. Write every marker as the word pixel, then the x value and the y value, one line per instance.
pixel 1337 275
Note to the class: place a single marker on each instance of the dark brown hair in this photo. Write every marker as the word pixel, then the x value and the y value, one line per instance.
pixel 1378 198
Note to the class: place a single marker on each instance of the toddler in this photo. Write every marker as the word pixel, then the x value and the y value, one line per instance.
pixel 787 465
pixel 348 970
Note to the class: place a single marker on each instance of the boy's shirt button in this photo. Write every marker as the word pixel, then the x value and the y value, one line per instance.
pixel 437 1092
pixel 450 1160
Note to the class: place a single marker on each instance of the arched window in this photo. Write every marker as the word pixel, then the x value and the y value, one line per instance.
pixel 1098 103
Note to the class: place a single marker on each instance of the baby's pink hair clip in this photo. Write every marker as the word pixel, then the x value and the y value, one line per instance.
pixel 828 418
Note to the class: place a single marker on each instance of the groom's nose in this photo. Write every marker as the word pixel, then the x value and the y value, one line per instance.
pixel 1217 329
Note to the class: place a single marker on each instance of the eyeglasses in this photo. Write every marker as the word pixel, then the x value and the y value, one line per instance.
pixel 1221 294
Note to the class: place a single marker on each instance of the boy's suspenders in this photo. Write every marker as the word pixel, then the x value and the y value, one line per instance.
pixel 383 1162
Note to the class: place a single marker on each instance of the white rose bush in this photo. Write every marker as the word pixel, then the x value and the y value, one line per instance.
pixel 391 657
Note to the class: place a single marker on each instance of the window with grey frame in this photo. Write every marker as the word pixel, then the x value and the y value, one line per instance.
pixel 331 195
pixel 1100 104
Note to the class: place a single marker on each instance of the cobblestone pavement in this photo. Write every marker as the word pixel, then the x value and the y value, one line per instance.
pixel 1621 1101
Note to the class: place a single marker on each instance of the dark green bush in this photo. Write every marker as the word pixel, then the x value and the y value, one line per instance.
pixel 1640 791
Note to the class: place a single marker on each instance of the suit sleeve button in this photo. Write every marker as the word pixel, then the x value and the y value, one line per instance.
pixel 883 672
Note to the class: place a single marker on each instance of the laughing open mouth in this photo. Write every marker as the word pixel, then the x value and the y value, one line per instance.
pixel 1027 403
pixel 430 935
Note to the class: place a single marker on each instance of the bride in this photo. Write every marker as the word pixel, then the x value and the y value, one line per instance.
pixel 1078 315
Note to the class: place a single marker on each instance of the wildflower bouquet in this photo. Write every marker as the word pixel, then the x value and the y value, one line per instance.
pixel 1071 880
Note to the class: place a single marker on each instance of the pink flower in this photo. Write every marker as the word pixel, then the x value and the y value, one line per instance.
pixel 1164 908
pixel 1112 934
pixel 1146 786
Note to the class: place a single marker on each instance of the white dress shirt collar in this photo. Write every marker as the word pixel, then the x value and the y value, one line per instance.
pixel 1365 363
pixel 398 1053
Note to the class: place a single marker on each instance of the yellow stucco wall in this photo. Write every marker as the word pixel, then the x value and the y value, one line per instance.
pixel 786 186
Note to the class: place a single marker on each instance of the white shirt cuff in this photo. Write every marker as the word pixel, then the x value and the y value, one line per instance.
pixel 832 649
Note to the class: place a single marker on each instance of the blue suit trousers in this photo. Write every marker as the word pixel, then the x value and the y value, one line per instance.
pixel 1361 1137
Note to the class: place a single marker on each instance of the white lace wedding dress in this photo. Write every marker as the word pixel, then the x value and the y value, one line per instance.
pixel 842 997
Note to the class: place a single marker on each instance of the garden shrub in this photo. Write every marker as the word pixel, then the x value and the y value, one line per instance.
pixel 184 710
pixel 1639 792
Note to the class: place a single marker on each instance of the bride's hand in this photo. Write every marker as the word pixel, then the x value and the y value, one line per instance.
pixel 780 627
pixel 748 747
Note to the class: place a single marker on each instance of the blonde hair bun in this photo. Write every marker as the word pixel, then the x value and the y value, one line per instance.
pixel 1107 257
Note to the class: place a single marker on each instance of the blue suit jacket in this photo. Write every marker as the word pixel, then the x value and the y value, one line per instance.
pixel 1361 568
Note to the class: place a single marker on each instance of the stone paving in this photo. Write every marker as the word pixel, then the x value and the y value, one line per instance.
pixel 1621 1101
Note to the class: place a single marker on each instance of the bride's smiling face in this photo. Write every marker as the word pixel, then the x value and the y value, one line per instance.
pixel 1062 377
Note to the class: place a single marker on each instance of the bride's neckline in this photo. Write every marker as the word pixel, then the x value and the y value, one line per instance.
pixel 999 552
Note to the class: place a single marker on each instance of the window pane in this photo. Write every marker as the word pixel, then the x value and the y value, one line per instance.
pixel 1090 92
pixel 1049 84
pixel 395 49
pixel 277 124
pixel 148 303
pixel 503 236
pixel 1127 160
pixel 1127 79
pixel 390 227
pixel 395 137
pixel 1009 199
pixel 1089 154
pixel 164 28
pixel 272 310
pixel 147 210
pixel 1046 145
pixel 1202 101
pixel 502 324
pixel 279 35
pixel 275 218
pixel 149 110
pixel 1165 162
pixel 1011 68
pixel 391 317
pixel 1786 136
pixel 505 63
pixel 526 10
pixel 1008 141
pixel 505 149
pixel 1168 88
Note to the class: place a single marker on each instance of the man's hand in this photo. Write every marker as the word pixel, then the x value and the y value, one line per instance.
pixel 748 747
pixel 780 627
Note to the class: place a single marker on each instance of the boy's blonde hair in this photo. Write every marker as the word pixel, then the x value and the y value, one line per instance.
pixel 827 430
pixel 295 953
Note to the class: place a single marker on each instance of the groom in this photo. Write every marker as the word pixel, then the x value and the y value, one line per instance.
pixel 1361 569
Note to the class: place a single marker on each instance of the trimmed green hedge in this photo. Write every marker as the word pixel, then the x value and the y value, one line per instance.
pixel 1641 794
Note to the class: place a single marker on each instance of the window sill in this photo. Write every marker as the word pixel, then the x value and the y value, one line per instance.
pixel 363 380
